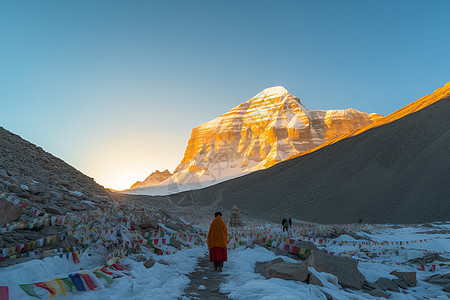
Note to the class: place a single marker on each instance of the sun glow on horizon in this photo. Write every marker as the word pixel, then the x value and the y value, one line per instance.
pixel 119 160
pixel 123 179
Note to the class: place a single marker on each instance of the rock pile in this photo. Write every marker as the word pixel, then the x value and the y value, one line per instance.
pixel 235 218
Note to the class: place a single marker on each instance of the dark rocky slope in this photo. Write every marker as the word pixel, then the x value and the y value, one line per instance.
pixel 45 181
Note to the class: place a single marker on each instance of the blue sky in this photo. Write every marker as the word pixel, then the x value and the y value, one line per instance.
pixel 114 88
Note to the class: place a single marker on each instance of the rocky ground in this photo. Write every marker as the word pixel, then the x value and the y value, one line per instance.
pixel 204 282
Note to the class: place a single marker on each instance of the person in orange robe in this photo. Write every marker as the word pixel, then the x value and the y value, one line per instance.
pixel 217 242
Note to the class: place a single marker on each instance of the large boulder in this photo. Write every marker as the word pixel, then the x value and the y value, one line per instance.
pixel 261 266
pixel 152 224
pixel 345 269
pixel 407 277
pixel 314 280
pixel 140 258
pixel 441 279
pixel 400 284
pixel 387 284
pixel 289 271
pixel 378 293
pixel 375 290
pixel 175 243
pixel 9 212
pixel 278 268
pixel 257 241
pixel 149 263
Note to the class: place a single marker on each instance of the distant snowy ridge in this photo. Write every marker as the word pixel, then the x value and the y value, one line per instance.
pixel 153 179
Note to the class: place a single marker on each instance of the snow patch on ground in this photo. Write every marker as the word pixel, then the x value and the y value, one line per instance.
pixel 158 282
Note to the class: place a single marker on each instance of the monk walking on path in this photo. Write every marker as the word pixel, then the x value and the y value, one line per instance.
pixel 217 242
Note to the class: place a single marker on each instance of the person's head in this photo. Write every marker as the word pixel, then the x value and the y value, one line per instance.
pixel 218 214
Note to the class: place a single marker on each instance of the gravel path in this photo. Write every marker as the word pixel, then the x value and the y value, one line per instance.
pixel 205 282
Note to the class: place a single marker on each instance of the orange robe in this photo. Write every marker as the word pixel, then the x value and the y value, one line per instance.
pixel 217 240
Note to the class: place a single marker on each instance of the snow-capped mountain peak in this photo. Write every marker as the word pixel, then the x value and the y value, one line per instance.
pixel 259 133
pixel 275 91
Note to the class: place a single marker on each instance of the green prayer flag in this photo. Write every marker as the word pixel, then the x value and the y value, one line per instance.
pixel 29 289
pixel 69 285
pixel 101 275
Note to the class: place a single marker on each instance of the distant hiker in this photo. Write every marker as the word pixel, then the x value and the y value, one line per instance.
pixel 360 221
pixel 217 242
pixel 285 225
pixel 290 223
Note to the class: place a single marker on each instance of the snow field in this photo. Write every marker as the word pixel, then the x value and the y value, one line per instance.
pixel 158 282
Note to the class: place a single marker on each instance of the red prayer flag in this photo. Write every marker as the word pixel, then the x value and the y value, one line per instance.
pixel 87 279
pixel 45 286
pixel 4 292
pixel 75 258
pixel 105 270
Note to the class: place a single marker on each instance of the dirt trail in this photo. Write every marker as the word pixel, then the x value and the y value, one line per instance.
pixel 204 275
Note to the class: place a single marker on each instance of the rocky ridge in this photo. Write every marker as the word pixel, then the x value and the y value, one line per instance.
pixel 36 176
pixel 416 106
pixel 153 179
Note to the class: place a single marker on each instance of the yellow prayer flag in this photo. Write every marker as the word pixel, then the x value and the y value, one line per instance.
pixel 61 286
pixel 54 287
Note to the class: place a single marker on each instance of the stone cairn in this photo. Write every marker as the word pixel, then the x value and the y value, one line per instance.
pixel 235 218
